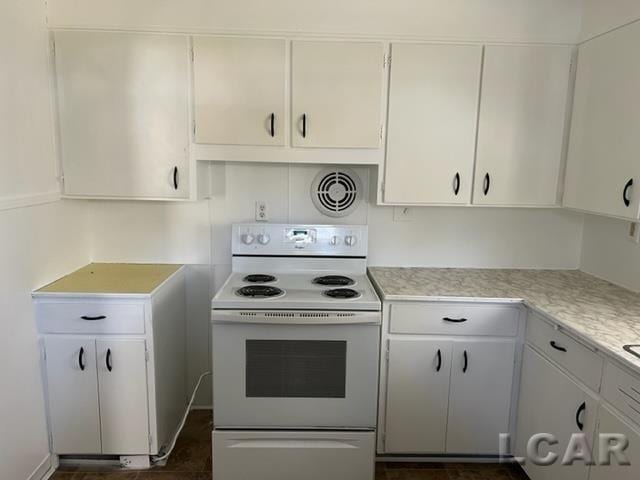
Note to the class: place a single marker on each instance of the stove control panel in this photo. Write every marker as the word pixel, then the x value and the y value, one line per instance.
pixel 301 240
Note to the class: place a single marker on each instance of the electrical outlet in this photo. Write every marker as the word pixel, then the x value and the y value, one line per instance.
pixel 634 232
pixel 402 214
pixel 262 215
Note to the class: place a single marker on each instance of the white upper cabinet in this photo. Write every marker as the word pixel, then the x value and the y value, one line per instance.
pixel 123 114
pixel 521 125
pixel 239 90
pixel 603 170
pixel 336 94
pixel 433 103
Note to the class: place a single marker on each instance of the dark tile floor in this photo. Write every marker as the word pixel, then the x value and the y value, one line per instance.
pixel 191 460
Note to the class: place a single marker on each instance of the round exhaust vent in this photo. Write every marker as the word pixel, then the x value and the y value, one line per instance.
pixel 336 192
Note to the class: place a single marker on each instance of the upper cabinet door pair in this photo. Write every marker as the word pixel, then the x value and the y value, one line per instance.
pixel 241 92
pixel 467 128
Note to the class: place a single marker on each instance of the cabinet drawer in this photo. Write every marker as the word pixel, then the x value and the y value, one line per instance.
pixel 585 364
pixel 454 319
pixel 622 390
pixel 90 317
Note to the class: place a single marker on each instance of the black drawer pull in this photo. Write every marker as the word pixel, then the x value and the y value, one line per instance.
pixel 304 125
pixel 625 193
pixel 81 359
pixel 581 409
pixel 92 319
pixel 454 320
pixel 466 362
pixel 439 361
pixel 109 365
pixel 557 347
pixel 273 125
pixel 175 178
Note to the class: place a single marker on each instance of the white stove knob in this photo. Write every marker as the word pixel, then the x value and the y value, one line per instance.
pixel 350 240
pixel 264 238
pixel 335 240
pixel 247 238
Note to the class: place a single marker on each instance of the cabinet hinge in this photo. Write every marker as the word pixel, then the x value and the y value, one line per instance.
pixel 381 131
pixel 193 56
pixel 384 442
pixel 146 355
pixel 150 441
pixel 386 352
pixel 386 61
pixel 194 129
pixel 382 187
pixel 53 47
pixel 50 435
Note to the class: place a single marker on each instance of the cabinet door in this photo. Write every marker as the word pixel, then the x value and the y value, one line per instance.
pixel 550 403
pixel 521 125
pixel 123 114
pixel 239 90
pixel 433 103
pixel 72 391
pixel 610 423
pixel 417 396
pixel 122 377
pixel 480 396
pixel 337 94
pixel 605 146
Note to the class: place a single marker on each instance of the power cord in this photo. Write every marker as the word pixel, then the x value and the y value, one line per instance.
pixel 161 459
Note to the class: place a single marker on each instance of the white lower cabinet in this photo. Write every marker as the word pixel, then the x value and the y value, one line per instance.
pixel 417 396
pixel 611 423
pixel 72 386
pixel 122 387
pixel 446 393
pixel 552 403
pixel 480 395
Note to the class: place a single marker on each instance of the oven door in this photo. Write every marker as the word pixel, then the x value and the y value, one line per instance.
pixel 295 370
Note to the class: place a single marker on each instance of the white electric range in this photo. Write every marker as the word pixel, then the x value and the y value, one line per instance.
pixel 296 331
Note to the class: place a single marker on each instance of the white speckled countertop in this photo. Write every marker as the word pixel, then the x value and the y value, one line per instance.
pixel 598 312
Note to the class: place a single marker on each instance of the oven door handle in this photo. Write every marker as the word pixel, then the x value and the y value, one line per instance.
pixel 295 317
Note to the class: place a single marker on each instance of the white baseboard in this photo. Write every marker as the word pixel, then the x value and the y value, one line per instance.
pixel 45 469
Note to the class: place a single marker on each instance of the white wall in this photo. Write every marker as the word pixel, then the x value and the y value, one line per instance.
pixel 501 20
pixel 600 16
pixel 608 253
pixel 37 243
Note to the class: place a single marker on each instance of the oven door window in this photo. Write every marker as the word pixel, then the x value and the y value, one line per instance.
pixel 296 368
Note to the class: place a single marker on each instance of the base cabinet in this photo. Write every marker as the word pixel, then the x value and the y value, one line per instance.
pixel 480 395
pixel 550 402
pixel 417 396
pixel 122 387
pixel 446 393
pixel 611 423
pixel 72 387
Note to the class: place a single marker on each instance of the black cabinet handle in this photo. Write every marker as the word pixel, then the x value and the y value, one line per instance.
pixel 581 409
pixel 273 125
pixel 92 319
pixel 466 362
pixel 81 359
pixel 454 320
pixel 625 193
pixel 109 366
pixel 439 361
pixel 456 184
pixel 487 183
pixel 304 125
pixel 175 178
pixel 557 347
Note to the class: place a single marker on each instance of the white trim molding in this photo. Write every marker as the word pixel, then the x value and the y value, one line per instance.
pixel 22 201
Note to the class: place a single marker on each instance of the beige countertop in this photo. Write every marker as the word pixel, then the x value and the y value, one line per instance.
pixel 112 278
pixel 598 312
